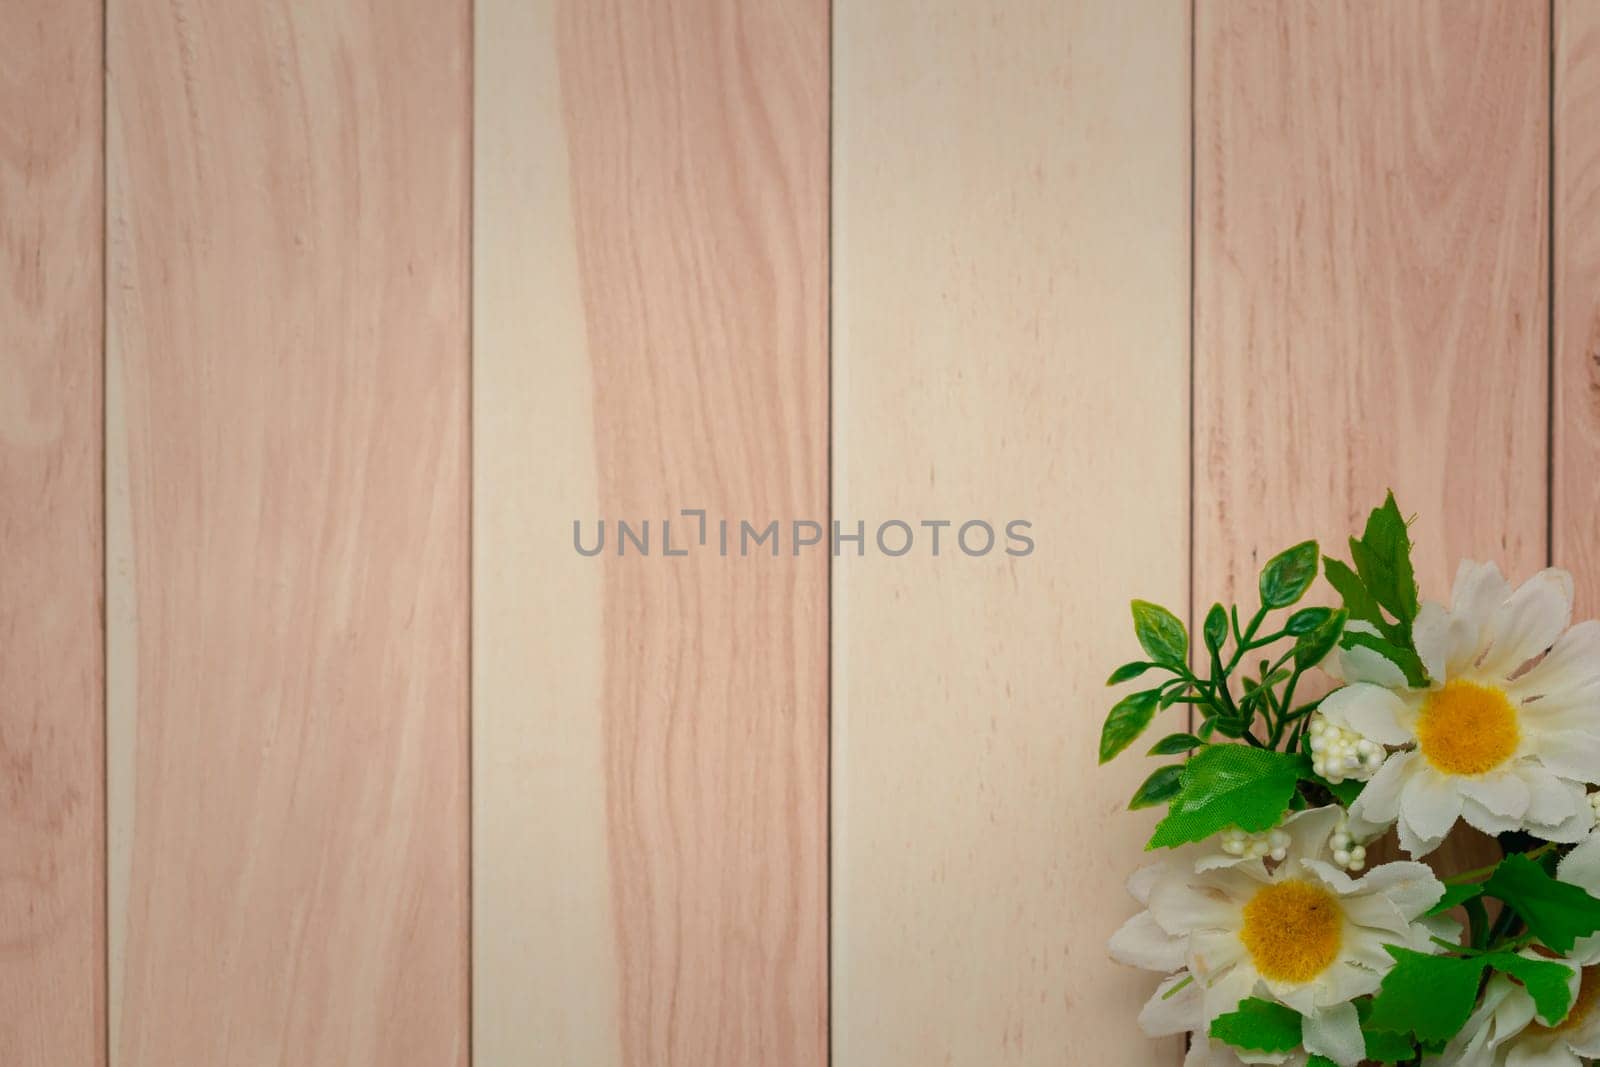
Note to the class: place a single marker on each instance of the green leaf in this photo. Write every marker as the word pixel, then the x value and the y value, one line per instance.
pixel 1409 662
pixel 1384 1046
pixel 1160 787
pixel 1288 575
pixel 1160 633
pixel 1312 648
pixel 1455 896
pixel 1216 628
pixel 1230 785
pixel 1320 1061
pixel 1344 792
pixel 1383 559
pixel 1128 672
pixel 1549 983
pixel 1305 620
pixel 1127 721
pixel 1173 744
pixel 1259 1026
pixel 1430 996
pixel 1357 601
pixel 1557 913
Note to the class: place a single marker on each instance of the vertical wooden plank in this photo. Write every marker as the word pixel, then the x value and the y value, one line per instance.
pixel 287 442
pixel 650 732
pixel 1576 319
pixel 52 918
pixel 1370 281
pixel 1011 299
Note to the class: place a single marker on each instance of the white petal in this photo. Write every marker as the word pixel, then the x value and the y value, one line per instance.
pixel 1570 754
pixel 1529 621
pixel 1504 793
pixel 1177 1013
pixel 1431 634
pixel 1379 802
pixel 1411 887
pixel 1552 800
pixel 1573 662
pixel 1215 951
pixel 1581 866
pixel 1224 993
pixel 1545 1052
pixel 1481 818
pixel 1479 589
pixel 1368 709
pixel 1344 982
pixel 1309 831
pixel 1429 805
pixel 1182 908
pixel 1362 664
pixel 1335 1033
pixel 1140 942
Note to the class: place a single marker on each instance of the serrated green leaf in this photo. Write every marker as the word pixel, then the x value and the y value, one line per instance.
pixel 1230 785
pixel 1288 575
pixel 1127 721
pixel 1160 787
pixel 1383 559
pixel 1409 662
pixel 1305 620
pixel 1312 648
pixel 1549 983
pixel 1357 601
pixel 1557 913
pixel 1258 1025
pixel 1215 630
pixel 1160 633
pixel 1173 744
pixel 1383 1046
pixel 1128 671
pixel 1455 896
pixel 1430 996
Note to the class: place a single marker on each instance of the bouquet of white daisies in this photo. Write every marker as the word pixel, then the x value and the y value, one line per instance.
pixel 1278 941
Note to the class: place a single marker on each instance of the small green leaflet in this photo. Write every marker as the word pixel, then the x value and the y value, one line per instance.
pixel 1383 559
pixel 1430 996
pixel 1288 575
pixel 1556 912
pixel 1128 672
pixel 1160 633
pixel 1258 1025
pixel 1173 744
pixel 1305 620
pixel 1160 787
pixel 1216 627
pixel 1357 601
pixel 1409 662
pixel 1230 785
pixel 1127 721
pixel 1313 647
pixel 1549 983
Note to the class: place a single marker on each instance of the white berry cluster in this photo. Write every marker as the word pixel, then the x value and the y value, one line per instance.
pixel 1270 844
pixel 1338 753
pixel 1346 853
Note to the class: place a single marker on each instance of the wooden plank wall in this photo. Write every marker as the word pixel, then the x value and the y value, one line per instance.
pixel 238 795
pixel 1011 306
pixel 1371 196
pixel 653 269
pixel 52 681
pixel 288 365
pixel 1575 516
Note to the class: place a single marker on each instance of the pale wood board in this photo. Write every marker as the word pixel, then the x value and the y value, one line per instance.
pixel 52 680
pixel 649 733
pixel 1575 508
pixel 287 442
pixel 1011 305
pixel 1370 285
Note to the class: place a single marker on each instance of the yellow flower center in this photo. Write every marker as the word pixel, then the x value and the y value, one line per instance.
pixel 1292 930
pixel 1583 1004
pixel 1466 728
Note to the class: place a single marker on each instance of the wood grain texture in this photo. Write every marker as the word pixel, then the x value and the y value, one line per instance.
pixel 1575 529
pixel 650 733
pixel 287 440
pixel 52 825
pixel 1370 282
pixel 1011 299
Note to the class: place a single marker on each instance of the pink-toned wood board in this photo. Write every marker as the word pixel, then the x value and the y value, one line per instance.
pixel 651 321
pixel 1370 282
pixel 52 813
pixel 288 476
pixel 1575 507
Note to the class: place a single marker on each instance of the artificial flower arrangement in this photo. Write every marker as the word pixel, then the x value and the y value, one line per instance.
pixel 1278 942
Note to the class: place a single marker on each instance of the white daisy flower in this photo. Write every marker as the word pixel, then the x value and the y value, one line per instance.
pixel 1301 932
pixel 1504 1030
pixel 1492 740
